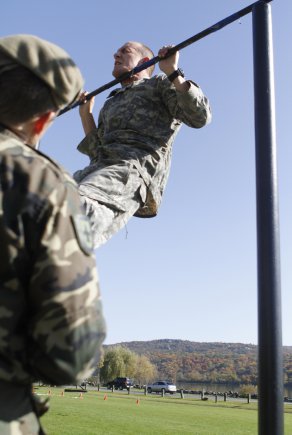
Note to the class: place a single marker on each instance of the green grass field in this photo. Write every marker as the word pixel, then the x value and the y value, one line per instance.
pixel 119 413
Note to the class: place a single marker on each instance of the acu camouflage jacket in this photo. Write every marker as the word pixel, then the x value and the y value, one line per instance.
pixel 51 322
pixel 139 123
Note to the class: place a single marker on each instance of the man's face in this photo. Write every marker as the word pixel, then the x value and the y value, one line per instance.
pixel 126 58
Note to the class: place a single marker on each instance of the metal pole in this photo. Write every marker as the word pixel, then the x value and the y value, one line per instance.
pixel 270 359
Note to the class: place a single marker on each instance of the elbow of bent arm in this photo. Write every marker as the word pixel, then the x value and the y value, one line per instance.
pixel 204 116
pixel 207 116
pixel 201 118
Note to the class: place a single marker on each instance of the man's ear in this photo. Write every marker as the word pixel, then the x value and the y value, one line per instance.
pixel 145 59
pixel 42 121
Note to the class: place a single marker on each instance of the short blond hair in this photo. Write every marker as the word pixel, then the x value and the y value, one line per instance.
pixel 146 51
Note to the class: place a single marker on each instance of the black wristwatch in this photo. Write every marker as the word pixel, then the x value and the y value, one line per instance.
pixel 175 74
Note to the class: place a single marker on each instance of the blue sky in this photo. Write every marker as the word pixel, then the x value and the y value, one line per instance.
pixel 190 273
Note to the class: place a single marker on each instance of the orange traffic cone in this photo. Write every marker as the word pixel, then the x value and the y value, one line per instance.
pixel 105 397
pixel 138 402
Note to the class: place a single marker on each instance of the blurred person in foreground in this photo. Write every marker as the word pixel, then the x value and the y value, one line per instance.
pixel 130 147
pixel 51 322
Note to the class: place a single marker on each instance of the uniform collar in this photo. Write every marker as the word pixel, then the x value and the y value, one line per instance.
pixel 124 88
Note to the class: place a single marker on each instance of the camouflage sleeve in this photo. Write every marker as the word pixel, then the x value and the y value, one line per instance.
pixel 191 107
pixel 89 144
pixel 66 321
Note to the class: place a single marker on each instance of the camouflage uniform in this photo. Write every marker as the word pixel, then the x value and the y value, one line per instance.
pixel 130 151
pixel 51 322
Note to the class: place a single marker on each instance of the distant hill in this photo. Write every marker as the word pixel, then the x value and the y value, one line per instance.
pixel 186 346
pixel 188 361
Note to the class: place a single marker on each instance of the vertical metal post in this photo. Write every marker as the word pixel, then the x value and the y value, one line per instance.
pixel 270 380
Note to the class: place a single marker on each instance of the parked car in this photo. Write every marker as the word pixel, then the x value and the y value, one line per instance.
pixel 120 383
pixel 161 387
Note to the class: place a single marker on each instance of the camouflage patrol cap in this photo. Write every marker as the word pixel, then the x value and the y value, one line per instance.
pixel 48 61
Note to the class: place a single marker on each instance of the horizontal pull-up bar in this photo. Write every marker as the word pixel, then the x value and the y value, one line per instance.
pixel 171 51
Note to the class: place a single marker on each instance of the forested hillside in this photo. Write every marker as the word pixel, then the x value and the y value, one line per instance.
pixel 185 361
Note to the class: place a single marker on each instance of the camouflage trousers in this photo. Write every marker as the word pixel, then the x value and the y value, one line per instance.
pixel 110 195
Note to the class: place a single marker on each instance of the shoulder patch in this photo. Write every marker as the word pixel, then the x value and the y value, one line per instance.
pixel 83 233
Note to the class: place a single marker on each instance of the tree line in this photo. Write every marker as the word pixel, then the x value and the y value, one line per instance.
pixel 183 361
